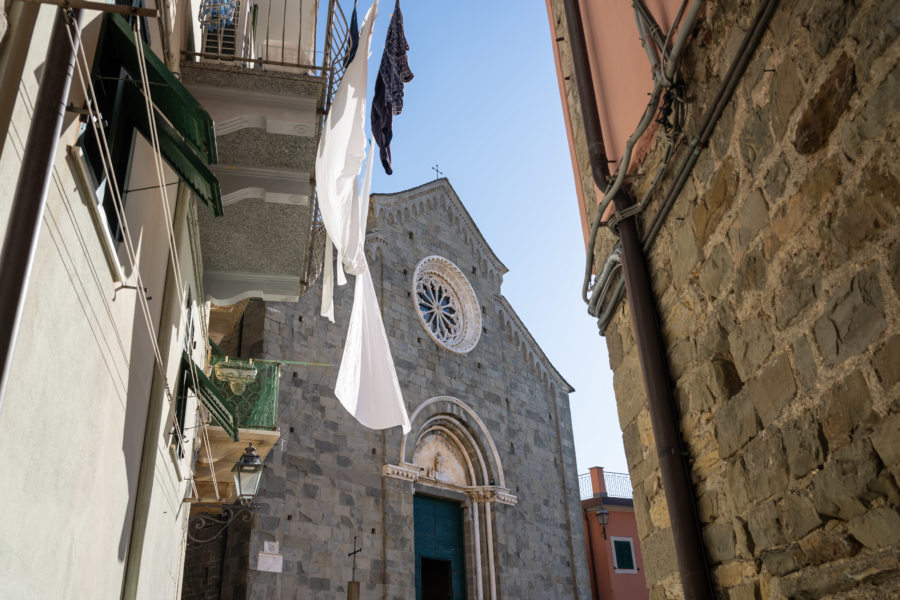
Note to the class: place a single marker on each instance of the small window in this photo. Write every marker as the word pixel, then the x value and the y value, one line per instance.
pixel 184 381
pixel 623 555
pixel 120 139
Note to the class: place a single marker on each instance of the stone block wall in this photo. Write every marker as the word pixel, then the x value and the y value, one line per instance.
pixel 777 277
pixel 325 485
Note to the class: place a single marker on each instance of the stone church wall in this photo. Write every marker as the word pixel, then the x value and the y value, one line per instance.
pixel 777 276
pixel 325 483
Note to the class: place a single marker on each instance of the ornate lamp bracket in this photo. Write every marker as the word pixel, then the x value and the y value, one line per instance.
pixel 202 521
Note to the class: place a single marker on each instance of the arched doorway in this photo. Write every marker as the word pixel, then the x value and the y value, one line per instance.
pixel 453 462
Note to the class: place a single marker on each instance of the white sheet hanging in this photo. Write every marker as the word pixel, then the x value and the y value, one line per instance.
pixel 355 256
pixel 367 383
pixel 339 158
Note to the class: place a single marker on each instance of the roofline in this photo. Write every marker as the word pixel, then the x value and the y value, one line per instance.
pixel 554 372
pixel 445 183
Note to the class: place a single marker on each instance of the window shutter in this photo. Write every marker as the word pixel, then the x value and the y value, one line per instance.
pixel 624 558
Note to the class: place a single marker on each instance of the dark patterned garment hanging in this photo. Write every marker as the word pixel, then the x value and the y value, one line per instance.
pixel 392 74
pixel 354 38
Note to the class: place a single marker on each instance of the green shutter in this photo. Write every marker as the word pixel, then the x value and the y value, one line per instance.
pixel 624 558
pixel 180 157
pixel 186 133
pixel 216 350
pixel 210 397
pixel 169 94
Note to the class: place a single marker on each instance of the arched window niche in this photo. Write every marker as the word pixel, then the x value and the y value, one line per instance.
pixel 449 453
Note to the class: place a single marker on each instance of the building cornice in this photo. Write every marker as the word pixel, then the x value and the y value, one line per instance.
pixel 532 349
pixel 413 203
pixel 477 493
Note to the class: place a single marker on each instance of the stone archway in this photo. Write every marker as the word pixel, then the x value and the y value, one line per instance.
pixel 450 450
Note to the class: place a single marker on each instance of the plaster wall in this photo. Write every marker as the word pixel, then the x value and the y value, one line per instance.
pixel 621 75
pixel 74 417
pixel 612 585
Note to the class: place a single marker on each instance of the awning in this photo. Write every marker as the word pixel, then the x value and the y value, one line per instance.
pixel 186 132
pixel 210 397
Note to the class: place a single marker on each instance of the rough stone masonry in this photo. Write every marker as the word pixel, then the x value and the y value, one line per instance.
pixel 326 481
pixel 777 277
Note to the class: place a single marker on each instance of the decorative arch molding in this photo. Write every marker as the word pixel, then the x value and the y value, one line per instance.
pixel 440 195
pixel 445 428
pixel 375 246
pixel 529 347
pixel 426 411
pixel 461 426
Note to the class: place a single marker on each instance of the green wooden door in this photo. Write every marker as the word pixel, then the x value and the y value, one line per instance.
pixel 440 555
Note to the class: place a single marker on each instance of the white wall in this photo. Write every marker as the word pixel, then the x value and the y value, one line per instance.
pixel 74 418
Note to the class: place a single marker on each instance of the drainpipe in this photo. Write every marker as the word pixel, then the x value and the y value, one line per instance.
pixel 692 565
pixel 30 199
pixel 21 17
pixel 590 544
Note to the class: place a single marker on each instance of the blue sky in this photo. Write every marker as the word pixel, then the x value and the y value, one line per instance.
pixel 485 106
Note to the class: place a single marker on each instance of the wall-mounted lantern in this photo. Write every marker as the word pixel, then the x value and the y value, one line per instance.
pixel 247 475
pixel 603 519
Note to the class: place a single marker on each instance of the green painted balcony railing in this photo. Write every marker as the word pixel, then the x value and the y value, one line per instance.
pixel 250 389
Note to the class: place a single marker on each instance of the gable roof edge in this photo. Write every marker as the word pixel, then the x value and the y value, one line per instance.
pixel 538 358
pixel 400 206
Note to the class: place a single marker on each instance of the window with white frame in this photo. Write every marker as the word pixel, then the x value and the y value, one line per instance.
pixel 623 555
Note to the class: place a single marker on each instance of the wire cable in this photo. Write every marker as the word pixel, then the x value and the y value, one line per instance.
pixel 106 161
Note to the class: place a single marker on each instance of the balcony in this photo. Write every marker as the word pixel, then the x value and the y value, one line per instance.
pixel 599 483
pixel 258 71
pixel 249 394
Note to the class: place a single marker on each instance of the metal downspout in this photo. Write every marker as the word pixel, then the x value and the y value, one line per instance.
pixel 689 549
pixel 13 53
pixel 30 199
pixel 590 544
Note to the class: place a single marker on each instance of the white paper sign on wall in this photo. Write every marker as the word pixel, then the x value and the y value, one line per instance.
pixel 269 559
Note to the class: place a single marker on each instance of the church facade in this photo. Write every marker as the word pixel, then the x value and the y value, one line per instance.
pixel 479 500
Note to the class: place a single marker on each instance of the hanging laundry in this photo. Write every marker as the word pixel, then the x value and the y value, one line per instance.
pixel 367 384
pixel 392 74
pixel 354 38
pixel 339 160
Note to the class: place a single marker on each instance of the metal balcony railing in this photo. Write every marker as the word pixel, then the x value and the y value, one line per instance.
pixel 585 490
pixel 249 388
pixel 618 485
pixel 272 35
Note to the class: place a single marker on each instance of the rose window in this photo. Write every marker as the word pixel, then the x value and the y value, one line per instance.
pixel 446 304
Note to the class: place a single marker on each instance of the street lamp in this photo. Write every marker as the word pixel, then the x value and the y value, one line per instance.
pixel 247 475
pixel 603 519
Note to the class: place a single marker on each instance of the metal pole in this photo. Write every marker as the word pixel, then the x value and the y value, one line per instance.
pixel 689 549
pixel 13 53
pixel 663 415
pixel 23 227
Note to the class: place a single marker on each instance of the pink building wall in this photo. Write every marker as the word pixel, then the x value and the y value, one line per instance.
pixel 606 583
pixel 621 75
